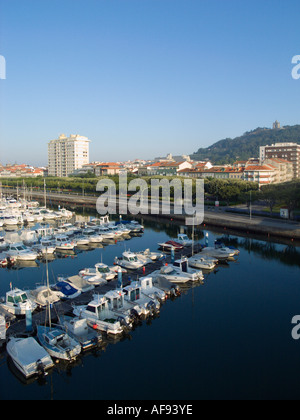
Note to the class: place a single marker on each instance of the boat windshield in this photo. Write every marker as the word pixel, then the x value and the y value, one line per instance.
pixel 20 298
pixel 20 248
pixel 103 269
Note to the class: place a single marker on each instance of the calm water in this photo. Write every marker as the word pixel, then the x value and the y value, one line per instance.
pixel 229 338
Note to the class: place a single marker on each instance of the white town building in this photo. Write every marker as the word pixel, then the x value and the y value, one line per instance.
pixel 67 154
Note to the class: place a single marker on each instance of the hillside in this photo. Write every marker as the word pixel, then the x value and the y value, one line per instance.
pixel 247 145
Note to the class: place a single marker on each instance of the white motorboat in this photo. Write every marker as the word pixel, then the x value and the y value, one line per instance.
pixel 79 329
pixel 101 270
pixel 221 254
pixel 151 291
pixel 82 240
pixel 62 212
pixel 174 274
pixel 17 302
pixel 120 307
pixel 183 266
pixel 28 356
pixel 142 303
pixel 48 214
pixel 21 253
pixel 184 240
pixel 129 261
pixel 46 246
pixel 96 239
pixel 116 230
pixel 135 227
pixel 100 317
pixel 145 259
pixel 10 221
pixel 106 233
pixel 219 245
pixel 154 256
pixel 117 301
pixel 125 230
pixel 37 216
pixel 63 243
pixel 58 343
pixel 197 261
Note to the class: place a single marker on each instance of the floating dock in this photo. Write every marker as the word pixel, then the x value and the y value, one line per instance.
pixel 59 309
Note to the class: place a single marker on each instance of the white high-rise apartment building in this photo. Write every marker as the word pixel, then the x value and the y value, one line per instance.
pixel 66 154
pixel 287 151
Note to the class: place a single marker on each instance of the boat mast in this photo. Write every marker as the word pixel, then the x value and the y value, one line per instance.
pixel 48 287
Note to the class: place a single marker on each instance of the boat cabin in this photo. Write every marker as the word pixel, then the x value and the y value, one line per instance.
pixel 54 337
pixel 97 306
pixel 130 257
pixel 16 296
pixel 115 299
pixel 132 292
pixel 102 268
pixel 183 264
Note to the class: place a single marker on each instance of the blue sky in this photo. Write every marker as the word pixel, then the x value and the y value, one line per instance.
pixel 142 78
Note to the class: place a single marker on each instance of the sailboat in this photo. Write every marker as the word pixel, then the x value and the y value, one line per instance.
pixel 56 341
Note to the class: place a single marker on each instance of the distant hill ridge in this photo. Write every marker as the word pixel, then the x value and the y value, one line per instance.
pixel 247 146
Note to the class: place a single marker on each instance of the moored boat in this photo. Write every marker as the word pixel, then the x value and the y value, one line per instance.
pixel 28 356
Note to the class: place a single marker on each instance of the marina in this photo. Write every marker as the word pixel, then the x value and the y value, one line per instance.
pixel 195 312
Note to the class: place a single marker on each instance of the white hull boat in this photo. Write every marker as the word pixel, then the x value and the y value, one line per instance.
pixel 79 329
pixel 28 356
pixel 58 343
pixel 221 254
pixel 174 275
pixel 63 243
pixel 142 303
pixel 129 261
pixel 100 317
pixel 21 253
pixel 17 302
pixel 202 263
pixel 100 270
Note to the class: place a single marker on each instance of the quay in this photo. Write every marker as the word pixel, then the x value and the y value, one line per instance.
pixel 59 309
pixel 219 218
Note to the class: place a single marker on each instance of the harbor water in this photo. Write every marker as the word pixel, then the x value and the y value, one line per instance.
pixel 229 337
